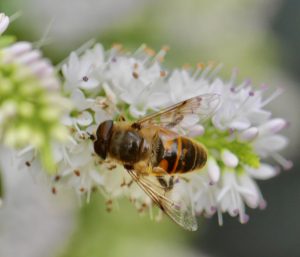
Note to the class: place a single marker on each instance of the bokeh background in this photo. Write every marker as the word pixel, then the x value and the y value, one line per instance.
pixel 261 38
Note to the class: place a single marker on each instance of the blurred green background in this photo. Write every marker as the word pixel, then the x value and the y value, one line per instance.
pixel 261 38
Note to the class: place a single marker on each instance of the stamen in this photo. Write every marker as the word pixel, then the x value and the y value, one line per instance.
pixel 140 50
pixel 135 75
pixel 244 218
pixel 161 54
pixel 205 72
pixel 198 70
pixel 117 46
pixel 163 73
pixel 149 51
pixel 54 190
pixel 277 93
pixel 286 164
pixel 262 204
pixel 57 178
pixel 77 173
pixel 15 16
pixel 215 71
pixel 44 39
pixel 234 74
pixel 25 150
pixel 78 52
pixel 220 217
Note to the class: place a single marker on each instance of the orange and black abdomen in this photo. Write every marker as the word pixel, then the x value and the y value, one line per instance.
pixel 182 155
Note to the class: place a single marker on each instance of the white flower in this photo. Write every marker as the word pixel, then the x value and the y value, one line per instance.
pixel 81 72
pixel 104 85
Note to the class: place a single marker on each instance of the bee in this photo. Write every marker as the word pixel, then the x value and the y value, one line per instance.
pixel 154 154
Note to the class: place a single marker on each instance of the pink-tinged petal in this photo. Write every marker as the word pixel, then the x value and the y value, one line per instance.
pixel 19 48
pixel 29 57
pixel 4 21
pixel 248 134
pixel 265 172
pixel 272 126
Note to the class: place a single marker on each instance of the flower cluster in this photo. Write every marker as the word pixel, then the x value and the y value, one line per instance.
pixel 239 137
pixel 30 104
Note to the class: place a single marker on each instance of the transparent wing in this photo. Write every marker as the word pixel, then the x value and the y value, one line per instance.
pixel 179 210
pixel 201 107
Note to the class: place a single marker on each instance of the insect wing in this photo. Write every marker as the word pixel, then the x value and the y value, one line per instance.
pixel 201 107
pixel 180 211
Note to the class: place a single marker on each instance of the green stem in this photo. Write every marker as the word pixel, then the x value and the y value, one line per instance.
pixel 1 187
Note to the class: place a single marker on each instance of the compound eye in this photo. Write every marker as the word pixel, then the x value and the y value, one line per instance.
pixel 100 148
pixel 104 133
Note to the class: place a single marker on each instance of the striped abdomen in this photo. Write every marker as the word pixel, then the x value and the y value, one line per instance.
pixel 182 155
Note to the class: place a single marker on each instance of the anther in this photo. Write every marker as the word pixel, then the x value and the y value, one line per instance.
pixel 135 75
pixel 77 173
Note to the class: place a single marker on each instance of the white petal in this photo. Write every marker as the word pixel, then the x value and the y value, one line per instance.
pixel 91 83
pixel 79 100
pixel 213 170
pixel 259 116
pixel 272 126
pixel 229 159
pixel 271 143
pixel 135 112
pixel 240 124
pixel 253 198
pixel 84 119
pixel 265 171
pixel 158 100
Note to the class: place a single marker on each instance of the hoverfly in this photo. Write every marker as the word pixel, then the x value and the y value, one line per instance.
pixel 153 154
